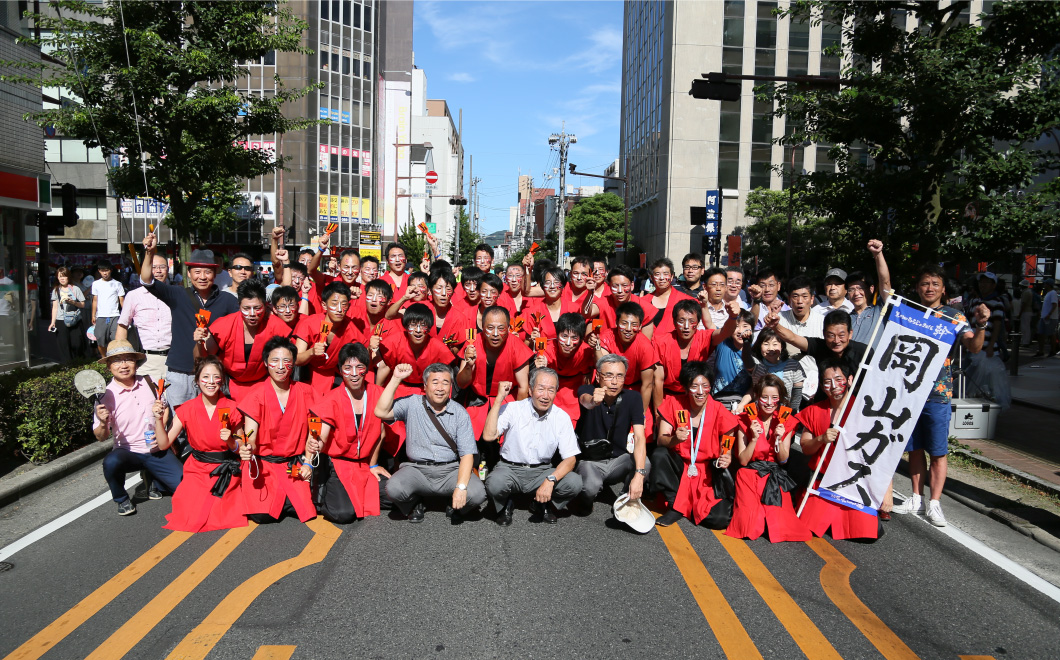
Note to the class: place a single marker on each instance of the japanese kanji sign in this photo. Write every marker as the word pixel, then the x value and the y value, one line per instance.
pixel 898 377
pixel 712 226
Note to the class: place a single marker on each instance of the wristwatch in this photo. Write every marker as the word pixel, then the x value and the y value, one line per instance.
pixel 642 472
pixel 551 478
pixel 462 486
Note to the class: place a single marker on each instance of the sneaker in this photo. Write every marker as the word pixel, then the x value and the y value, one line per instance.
pixel 153 493
pixel 934 514
pixel 126 508
pixel 914 504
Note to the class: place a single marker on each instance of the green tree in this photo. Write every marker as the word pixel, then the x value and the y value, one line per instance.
pixel 934 129
pixel 414 243
pixel 179 64
pixel 765 239
pixel 594 224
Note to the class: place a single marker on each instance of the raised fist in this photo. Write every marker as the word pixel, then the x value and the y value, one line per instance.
pixel 282 256
pixel 598 395
pixel 503 388
pixel 150 241
pixel 875 246
pixel 402 371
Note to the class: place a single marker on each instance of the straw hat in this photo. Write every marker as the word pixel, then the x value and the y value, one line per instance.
pixel 120 347
pixel 634 514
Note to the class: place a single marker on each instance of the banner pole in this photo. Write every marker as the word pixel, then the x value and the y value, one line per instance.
pixel 841 411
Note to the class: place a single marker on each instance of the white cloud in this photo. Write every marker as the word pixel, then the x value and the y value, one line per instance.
pixel 604 51
pixel 462 77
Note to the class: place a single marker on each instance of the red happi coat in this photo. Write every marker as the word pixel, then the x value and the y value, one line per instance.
pixel 608 307
pixel 455 326
pixel 351 443
pixel 513 356
pixel 195 508
pixel 669 352
pixel 749 516
pixel 229 334
pixel 666 323
pixel 399 287
pixel 396 349
pixel 820 514
pixel 323 367
pixel 281 432
pixel 695 496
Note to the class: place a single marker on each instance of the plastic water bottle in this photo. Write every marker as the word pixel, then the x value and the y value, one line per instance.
pixel 482 470
pixel 149 432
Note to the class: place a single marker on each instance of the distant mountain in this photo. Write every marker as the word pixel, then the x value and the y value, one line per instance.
pixel 495 239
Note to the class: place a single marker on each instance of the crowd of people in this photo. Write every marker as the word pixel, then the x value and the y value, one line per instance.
pixel 380 387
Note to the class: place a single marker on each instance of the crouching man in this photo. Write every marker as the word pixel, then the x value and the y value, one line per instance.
pixel 534 430
pixel 440 446
pixel 127 411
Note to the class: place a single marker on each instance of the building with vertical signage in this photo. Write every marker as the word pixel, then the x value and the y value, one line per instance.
pixel 433 124
pixel 25 194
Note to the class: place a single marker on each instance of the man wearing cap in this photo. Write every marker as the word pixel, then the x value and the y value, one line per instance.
pixel 534 430
pixel 127 412
pixel 153 322
pixel 183 305
pixel 835 289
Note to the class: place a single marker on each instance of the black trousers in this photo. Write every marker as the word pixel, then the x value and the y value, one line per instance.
pixel 665 475
pixel 331 498
pixel 72 342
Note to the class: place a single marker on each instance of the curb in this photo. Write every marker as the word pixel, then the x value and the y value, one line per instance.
pixel 1036 406
pixel 15 488
pixel 954 488
pixel 1018 475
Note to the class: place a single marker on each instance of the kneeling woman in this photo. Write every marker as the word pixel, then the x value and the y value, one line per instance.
pixel 763 500
pixel 693 492
pixel 209 497
pixel 816 422
pixel 276 421
pixel 350 436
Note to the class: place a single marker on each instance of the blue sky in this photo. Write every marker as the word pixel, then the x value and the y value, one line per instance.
pixel 518 70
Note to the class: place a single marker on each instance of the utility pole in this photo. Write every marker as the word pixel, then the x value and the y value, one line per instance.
pixel 564 141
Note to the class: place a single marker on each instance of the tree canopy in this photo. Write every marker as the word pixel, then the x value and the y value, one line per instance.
pixel 765 239
pixel 937 129
pixel 158 83
pixel 594 224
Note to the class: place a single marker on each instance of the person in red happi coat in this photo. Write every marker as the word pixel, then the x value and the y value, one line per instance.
pixel 818 432
pixel 351 481
pixel 319 351
pixel 238 339
pixel 277 467
pixel 572 358
pixel 763 498
pixel 209 496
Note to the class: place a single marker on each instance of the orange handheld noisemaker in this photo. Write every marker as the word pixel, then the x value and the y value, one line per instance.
pixel 325 330
pixel 202 318
pixel 596 325
pixel 331 228
pixel 682 418
pixel 588 306
pixel 538 317
pixel 783 414
pixel 162 384
pixel 378 330
pixel 751 409
pixel 726 443
pixel 540 343
pixel 315 425
pixel 225 415
pixel 534 247
pixel 423 227
pixel 471 334
pixel 449 340
pixel 517 324
pixel 294 470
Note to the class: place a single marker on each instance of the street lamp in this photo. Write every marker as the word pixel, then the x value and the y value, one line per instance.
pixel 398 145
pixel 625 194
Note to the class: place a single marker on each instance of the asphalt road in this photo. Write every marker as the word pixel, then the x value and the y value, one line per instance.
pixel 109 587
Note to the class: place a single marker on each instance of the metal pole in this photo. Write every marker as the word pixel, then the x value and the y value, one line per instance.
pixel 562 199
pixel 791 202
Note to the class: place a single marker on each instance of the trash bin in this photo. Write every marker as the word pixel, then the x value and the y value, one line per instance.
pixel 973 419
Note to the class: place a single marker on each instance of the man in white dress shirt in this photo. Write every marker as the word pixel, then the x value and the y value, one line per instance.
pixel 534 430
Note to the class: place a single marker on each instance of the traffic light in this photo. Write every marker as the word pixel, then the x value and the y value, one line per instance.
pixel 69 204
pixel 715 91
pixel 50 225
pixel 458 201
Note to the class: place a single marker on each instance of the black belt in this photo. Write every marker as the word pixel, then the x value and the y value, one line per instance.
pixel 434 462
pixel 227 463
pixel 504 460
pixel 165 352
pixel 777 480
pixel 347 459
pixel 289 460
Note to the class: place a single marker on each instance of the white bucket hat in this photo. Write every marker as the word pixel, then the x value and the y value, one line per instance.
pixel 634 514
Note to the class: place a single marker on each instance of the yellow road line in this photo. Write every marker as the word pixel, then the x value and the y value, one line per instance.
pixel 727 629
pixel 46 639
pixel 274 653
pixel 809 638
pixel 835 578
pixel 143 621
pixel 200 641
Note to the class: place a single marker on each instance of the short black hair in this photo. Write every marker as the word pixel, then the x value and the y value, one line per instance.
pixel 355 350
pixel 369 259
pixel 693 256
pixel 735 269
pixel 933 270
pixel 250 289
pixel 541 266
pixel 711 272
pixel 382 287
pixel 391 246
pixel 283 293
pixel 472 274
pixel 104 264
pixel 835 363
pixel 859 276
pixel 300 267
pixel 763 335
pixel 417 313
pixel 800 282
pixel 279 342
pixel 494 309
pixel 417 275
pixel 240 255
pixel 659 263
pixel 630 309
pixel 570 322
pixel 622 270
pixel 483 247
pixel 691 371
pixel 837 317
pixel 684 305
pixel 583 260
pixel 598 259
pixel 441 274
pixel 765 274
pixel 306 250
pixel 333 288
pixel 557 273
pixel 493 281
pixel 349 252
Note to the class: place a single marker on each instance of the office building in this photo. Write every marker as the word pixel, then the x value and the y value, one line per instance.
pixel 433 124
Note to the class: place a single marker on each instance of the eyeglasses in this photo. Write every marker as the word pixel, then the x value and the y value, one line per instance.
pixel 693 267
pixel 611 377
pixel 246 268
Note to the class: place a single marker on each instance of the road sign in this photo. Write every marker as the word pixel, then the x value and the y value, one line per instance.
pixel 419 195
pixel 619 244
pixel 432 177
pixel 432 227
pixel 371 236
pixel 712 226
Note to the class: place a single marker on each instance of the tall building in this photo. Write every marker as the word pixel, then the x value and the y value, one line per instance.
pixel 25 194
pixel 678 147
pixel 433 124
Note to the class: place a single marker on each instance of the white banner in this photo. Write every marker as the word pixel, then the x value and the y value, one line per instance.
pixel 897 379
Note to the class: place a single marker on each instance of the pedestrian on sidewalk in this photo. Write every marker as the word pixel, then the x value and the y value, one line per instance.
pixel 1050 317
pixel 68 304
pixel 127 412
